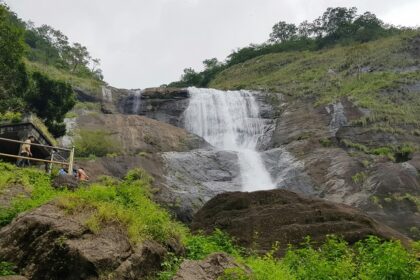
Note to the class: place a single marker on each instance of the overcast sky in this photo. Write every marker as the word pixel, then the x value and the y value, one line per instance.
pixel 144 43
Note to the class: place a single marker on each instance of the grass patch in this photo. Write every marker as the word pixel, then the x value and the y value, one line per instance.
pixel 95 143
pixel 37 185
pixel 89 84
pixel 128 204
pixel 328 75
pixel 398 153
pixel 359 178
pixel 7 268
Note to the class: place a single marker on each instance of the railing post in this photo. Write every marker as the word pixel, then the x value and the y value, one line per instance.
pixel 71 158
pixel 50 165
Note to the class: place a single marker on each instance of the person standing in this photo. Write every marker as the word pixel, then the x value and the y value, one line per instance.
pixel 25 151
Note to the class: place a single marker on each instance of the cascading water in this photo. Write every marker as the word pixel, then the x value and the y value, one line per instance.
pixel 230 120
pixel 136 100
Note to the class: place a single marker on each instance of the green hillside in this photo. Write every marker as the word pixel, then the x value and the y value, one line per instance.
pixel 381 77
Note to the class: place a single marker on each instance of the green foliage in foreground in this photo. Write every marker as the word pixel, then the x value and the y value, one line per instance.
pixel 127 203
pixel 36 190
pixel 370 259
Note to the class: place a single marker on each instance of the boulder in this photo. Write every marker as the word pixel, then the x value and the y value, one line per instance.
pixel 65 181
pixel 210 268
pixel 47 243
pixel 259 219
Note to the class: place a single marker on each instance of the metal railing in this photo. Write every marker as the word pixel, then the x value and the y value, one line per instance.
pixel 53 149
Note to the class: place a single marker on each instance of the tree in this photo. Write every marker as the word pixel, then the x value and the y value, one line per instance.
pixel 368 27
pixel 283 31
pixel 50 100
pixel 13 77
pixel 77 55
pixel 305 29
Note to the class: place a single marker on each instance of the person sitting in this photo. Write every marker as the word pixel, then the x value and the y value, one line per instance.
pixel 62 172
pixel 25 151
pixel 81 174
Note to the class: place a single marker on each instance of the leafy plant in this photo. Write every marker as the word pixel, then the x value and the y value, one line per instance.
pixel 7 268
pixel 95 142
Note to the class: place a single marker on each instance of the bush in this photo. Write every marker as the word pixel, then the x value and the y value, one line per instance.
pixel 129 204
pixel 199 246
pixel 37 185
pixel 370 259
pixel 6 269
pixel 95 142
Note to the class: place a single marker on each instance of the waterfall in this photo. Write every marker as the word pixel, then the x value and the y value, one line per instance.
pixel 136 100
pixel 230 120
pixel 106 94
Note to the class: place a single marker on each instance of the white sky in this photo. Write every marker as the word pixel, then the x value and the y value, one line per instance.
pixel 144 43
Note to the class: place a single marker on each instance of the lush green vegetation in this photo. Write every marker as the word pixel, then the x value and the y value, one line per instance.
pixel 97 143
pixel 371 258
pixel 36 190
pixel 37 66
pixel 128 203
pixel 339 25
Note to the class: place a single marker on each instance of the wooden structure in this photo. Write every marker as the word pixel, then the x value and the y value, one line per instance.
pixel 44 150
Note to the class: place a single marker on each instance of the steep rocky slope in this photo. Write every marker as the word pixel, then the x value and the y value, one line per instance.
pixel 349 116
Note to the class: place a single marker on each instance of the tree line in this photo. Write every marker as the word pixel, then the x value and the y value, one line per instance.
pixel 338 25
pixel 25 91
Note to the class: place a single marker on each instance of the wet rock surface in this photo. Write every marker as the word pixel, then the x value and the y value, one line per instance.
pixel 259 219
pixel 47 243
pixel 210 268
pixel 162 104
pixel 372 183
pixel 192 178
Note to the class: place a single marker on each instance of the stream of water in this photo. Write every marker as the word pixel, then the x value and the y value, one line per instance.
pixel 230 120
pixel 136 100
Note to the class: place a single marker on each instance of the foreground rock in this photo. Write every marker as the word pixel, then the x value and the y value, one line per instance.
pixel 209 269
pixel 47 243
pixel 257 220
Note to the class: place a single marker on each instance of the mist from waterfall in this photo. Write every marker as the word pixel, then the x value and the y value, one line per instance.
pixel 230 120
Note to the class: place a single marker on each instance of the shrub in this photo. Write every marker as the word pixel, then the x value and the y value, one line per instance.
pixel 199 246
pixel 128 203
pixel 6 269
pixel 13 117
pixel 359 177
pixel 95 142
pixel 36 183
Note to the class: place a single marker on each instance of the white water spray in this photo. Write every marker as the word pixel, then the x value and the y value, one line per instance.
pixel 136 100
pixel 106 94
pixel 230 120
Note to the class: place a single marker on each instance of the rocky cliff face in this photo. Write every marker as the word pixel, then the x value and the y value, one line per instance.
pixel 302 149
pixel 386 189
